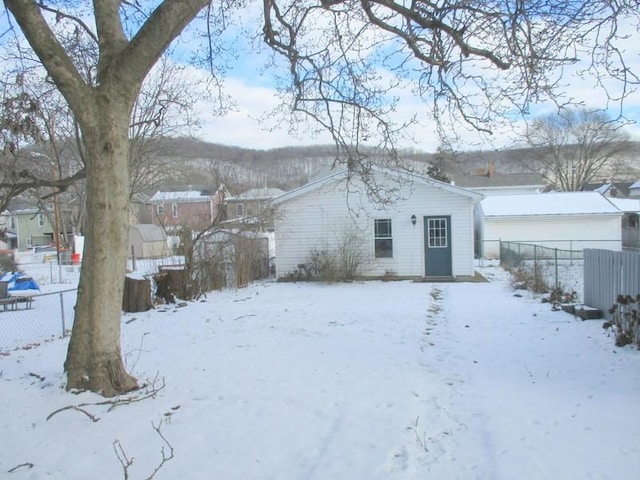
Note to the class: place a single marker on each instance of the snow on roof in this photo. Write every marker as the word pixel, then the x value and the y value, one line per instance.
pixel 629 205
pixel 558 203
pixel 396 175
pixel 635 185
pixel 187 195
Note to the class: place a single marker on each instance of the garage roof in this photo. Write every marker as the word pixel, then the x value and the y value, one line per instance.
pixel 555 203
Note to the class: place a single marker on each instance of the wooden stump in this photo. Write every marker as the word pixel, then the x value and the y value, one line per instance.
pixel 137 295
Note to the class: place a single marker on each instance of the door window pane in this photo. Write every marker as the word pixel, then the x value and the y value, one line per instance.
pixel 437 233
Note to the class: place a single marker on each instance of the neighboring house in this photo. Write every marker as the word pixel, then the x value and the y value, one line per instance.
pixel 630 221
pixel 426 232
pixel 634 189
pixel 252 208
pixel 609 188
pixel 147 241
pixel 491 182
pixel 196 209
pixel 565 220
pixel 502 184
pixel 26 226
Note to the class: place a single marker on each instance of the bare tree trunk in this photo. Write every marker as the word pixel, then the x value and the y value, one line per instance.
pixel 93 359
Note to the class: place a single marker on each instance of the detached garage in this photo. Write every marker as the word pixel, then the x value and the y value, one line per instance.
pixel 565 220
pixel 424 229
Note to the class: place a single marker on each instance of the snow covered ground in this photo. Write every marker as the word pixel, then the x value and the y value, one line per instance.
pixel 376 380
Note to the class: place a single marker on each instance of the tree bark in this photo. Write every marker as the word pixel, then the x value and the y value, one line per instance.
pixel 94 360
pixel 94 354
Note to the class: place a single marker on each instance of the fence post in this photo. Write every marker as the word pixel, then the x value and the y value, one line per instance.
pixel 556 255
pixel 535 263
pixel 64 327
pixel 133 259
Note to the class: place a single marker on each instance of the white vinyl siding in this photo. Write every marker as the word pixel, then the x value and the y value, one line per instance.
pixel 553 231
pixel 314 219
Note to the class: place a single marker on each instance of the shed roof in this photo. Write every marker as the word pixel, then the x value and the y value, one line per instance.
pixel 149 232
pixel 555 203
pixel 341 174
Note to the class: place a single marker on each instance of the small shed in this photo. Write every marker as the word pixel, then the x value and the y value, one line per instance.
pixel 147 240
pixel 415 227
pixel 563 220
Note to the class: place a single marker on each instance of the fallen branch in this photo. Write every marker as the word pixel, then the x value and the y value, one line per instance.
pixel 77 408
pixel 125 400
pixel 29 465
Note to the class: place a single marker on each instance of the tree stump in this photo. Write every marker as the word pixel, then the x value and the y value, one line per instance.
pixel 137 295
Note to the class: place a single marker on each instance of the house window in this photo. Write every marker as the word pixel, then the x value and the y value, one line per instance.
pixel 160 210
pixel 41 220
pixel 240 209
pixel 382 238
pixel 633 220
pixel 174 210
pixel 438 233
pixel 12 222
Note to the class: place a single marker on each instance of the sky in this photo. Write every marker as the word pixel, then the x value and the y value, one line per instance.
pixel 311 381
pixel 251 86
pixel 251 124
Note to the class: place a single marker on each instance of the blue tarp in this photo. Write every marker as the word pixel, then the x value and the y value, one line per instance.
pixel 18 281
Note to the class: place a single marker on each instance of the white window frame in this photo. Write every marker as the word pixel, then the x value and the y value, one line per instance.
pixel 383 238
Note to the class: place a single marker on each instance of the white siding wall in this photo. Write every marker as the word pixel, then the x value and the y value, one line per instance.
pixel 314 220
pixel 568 233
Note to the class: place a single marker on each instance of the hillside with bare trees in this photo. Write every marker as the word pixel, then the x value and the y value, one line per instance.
pixel 194 162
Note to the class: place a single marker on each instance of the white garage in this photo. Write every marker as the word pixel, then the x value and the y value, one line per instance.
pixel 564 220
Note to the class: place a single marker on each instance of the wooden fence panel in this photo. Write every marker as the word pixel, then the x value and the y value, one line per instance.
pixel 608 274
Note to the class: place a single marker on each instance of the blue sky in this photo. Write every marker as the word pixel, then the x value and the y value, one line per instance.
pixel 253 91
pixel 249 124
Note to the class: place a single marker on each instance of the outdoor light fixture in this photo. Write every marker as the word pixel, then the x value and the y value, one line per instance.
pixel 413 220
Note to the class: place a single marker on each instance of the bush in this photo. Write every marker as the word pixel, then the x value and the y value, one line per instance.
pixel 7 263
pixel 320 265
pixel 625 320
pixel 342 264
pixel 527 278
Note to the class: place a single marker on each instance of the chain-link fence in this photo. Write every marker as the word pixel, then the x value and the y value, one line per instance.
pixel 31 321
pixel 544 268
pixel 51 273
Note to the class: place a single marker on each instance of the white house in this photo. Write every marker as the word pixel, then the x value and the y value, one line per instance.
pixel 425 231
pixel 565 220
